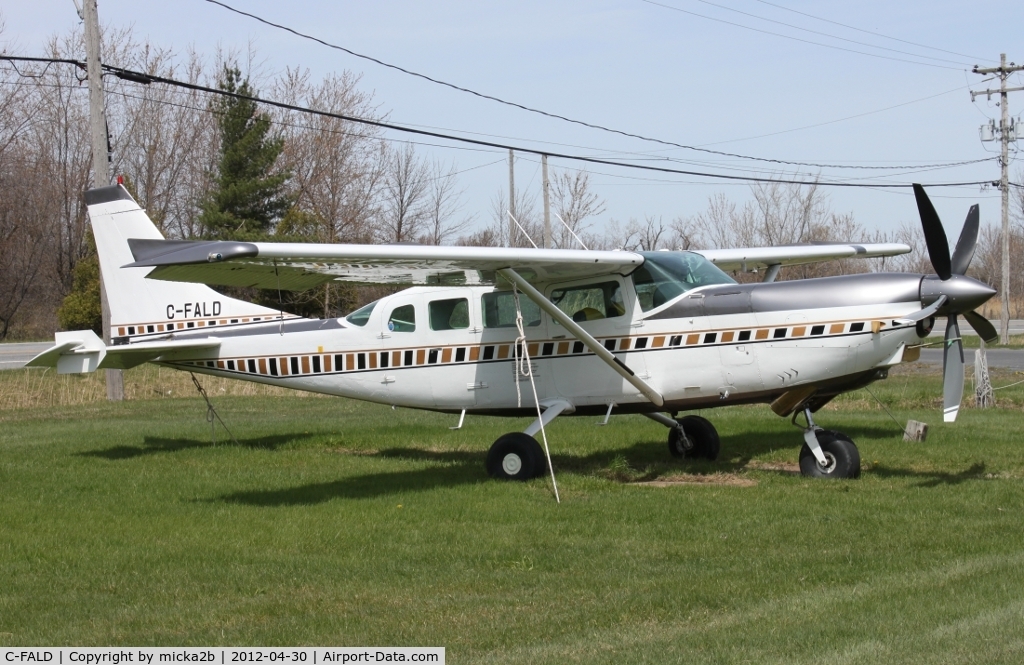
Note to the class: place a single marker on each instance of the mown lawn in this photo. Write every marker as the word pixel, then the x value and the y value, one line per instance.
pixel 339 523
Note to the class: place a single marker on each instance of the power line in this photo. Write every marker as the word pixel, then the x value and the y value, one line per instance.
pixel 826 34
pixel 146 79
pixel 924 166
pixel 869 32
pixel 798 39
pixel 523 107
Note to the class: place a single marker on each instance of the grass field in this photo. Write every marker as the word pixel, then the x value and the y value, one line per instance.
pixel 340 523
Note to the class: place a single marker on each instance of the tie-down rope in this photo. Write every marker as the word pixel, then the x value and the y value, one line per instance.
pixel 212 416
pixel 524 368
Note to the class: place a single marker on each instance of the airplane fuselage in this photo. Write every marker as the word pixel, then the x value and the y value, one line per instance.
pixel 712 346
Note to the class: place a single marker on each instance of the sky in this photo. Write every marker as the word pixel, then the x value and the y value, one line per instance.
pixel 682 71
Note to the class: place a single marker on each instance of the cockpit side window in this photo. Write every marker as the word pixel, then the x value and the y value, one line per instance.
pixel 666 275
pixel 589 302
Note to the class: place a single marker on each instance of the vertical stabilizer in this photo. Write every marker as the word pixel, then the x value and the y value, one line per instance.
pixel 140 307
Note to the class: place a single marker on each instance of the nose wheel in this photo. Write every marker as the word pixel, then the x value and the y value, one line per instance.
pixel 826 453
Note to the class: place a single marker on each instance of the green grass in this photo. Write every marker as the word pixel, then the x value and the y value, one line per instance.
pixel 336 522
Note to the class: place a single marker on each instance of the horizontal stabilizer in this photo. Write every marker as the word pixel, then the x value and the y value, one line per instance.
pixel 82 352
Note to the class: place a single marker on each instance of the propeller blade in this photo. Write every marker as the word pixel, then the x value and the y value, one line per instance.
pixel 952 371
pixel 982 326
pixel 934 234
pixel 964 251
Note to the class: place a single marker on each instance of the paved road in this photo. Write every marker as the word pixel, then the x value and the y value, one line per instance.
pixel 13 356
pixel 1016 327
pixel 1001 358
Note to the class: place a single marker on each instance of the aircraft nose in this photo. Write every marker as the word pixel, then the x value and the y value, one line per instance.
pixel 964 293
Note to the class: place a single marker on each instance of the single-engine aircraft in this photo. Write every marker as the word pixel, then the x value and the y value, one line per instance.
pixel 653 333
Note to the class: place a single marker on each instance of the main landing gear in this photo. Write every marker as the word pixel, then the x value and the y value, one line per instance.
pixel 518 456
pixel 692 437
pixel 827 454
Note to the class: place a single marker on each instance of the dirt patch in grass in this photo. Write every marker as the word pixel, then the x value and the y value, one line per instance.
pixel 726 479
pixel 791 468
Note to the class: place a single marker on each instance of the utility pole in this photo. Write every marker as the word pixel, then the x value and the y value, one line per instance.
pixel 511 196
pixel 1003 72
pixel 100 160
pixel 547 202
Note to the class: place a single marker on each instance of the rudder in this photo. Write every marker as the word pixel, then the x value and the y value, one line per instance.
pixel 142 308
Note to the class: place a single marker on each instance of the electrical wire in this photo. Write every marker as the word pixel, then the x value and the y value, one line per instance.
pixel 869 32
pixel 147 79
pixel 798 39
pixel 529 108
pixel 826 34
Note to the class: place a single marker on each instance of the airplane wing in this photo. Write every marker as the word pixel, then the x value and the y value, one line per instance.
pixel 298 266
pixel 746 258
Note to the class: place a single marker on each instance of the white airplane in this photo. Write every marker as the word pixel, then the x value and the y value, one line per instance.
pixel 591 332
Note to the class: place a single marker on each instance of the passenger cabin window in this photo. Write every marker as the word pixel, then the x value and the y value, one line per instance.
pixel 500 310
pixel 403 319
pixel 449 314
pixel 666 275
pixel 590 302
pixel 361 315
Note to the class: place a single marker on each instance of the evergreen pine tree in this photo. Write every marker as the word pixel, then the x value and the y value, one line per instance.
pixel 248 197
pixel 81 309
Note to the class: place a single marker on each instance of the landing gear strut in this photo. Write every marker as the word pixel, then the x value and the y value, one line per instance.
pixel 826 453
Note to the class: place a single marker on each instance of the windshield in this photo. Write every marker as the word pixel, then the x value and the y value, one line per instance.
pixel 361 315
pixel 665 275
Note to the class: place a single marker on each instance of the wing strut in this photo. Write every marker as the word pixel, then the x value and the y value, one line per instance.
pixel 582 335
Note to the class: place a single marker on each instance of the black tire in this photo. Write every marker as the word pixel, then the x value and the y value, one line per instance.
pixel 516 456
pixel 701 433
pixel 839 449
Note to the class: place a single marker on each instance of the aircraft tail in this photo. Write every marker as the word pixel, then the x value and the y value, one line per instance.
pixel 141 308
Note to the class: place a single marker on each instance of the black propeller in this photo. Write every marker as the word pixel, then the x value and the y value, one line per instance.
pixel 955 294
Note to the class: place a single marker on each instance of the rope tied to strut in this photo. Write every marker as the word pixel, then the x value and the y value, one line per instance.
pixel 523 367
pixel 212 416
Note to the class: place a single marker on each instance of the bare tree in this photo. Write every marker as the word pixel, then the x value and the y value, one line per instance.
pixel 404 189
pixel 574 203
pixel 526 216
pixel 443 204
pixel 337 166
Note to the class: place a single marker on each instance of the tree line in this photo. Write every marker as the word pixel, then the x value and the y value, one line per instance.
pixel 227 168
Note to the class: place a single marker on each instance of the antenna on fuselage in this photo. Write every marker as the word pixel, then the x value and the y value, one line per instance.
pixel 521 229
pixel 569 228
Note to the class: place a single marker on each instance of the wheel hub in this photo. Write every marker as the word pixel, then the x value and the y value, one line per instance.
pixel 830 463
pixel 511 464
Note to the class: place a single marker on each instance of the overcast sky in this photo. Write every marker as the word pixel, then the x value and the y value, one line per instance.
pixel 644 68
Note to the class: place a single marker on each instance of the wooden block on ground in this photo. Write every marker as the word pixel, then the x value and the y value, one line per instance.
pixel 915 431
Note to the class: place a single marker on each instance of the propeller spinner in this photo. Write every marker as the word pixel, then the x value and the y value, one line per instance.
pixel 955 293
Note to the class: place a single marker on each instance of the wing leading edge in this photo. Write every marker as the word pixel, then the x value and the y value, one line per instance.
pixel 747 258
pixel 298 266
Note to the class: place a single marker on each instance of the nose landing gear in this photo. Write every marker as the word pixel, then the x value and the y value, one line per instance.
pixel 826 453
